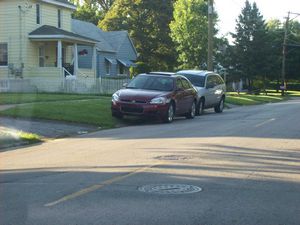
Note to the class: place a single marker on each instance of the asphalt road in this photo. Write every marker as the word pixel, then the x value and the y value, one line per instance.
pixel 246 162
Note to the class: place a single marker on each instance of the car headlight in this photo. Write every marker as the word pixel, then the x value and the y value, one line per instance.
pixel 159 100
pixel 115 97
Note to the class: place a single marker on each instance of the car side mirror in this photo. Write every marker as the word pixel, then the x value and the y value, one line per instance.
pixel 125 85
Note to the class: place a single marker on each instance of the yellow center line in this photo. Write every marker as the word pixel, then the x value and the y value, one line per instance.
pixel 98 186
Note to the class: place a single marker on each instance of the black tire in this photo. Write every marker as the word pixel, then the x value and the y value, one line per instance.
pixel 200 107
pixel 168 118
pixel 117 115
pixel 191 114
pixel 219 108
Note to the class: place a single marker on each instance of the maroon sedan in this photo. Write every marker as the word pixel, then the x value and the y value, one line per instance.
pixel 156 94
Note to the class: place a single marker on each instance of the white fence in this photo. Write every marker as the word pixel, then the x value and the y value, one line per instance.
pixel 70 84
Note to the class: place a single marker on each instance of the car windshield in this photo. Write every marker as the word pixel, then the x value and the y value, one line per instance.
pixel 196 80
pixel 157 83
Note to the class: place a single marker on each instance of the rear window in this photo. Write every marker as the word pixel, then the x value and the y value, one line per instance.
pixel 156 83
pixel 194 79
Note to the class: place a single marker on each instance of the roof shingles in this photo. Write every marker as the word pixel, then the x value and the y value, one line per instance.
pixel 51 31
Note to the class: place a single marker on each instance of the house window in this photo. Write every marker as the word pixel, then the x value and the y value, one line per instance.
pixel 107 67
pixel 42 56
pixel 59 18
pixel 3 54
pixel 38 14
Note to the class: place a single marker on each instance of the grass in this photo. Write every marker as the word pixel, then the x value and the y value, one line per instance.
pixel 246 99
pixel 92 111
pixel 294 93
pixel 17 98
pixel 9 138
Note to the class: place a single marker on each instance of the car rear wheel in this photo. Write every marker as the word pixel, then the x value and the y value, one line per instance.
pixel 168 118
pixel 219 108
pixel 191 114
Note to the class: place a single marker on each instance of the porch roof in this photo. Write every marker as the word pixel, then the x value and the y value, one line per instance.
pixel 127 63
pixel 47 32
pixel 111 61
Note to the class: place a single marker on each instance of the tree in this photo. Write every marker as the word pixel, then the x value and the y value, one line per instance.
pixel 251 46
pixel 148 25
pixel 275 39
pixel 105 4
pixel 189 32
pixel 293 51
pixel 88 11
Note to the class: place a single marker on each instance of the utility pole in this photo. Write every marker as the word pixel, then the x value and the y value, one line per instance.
pixel 210 36
pixel 284 52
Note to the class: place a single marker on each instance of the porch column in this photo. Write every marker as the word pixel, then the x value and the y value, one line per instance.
pixel 59 54
pixel 75 53
pixel 94 64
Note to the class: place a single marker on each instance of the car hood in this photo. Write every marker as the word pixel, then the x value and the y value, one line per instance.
pixel 139 94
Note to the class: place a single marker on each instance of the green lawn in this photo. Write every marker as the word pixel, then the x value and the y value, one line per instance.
pixel 17 98
pixel 246 99
pixel 93 111
pixel 294 93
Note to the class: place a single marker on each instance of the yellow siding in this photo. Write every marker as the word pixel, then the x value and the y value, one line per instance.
pixel 67 20
pixel 14 30
pixel 44 72
pixel 48 16
pixel 69 53
pixel 9 29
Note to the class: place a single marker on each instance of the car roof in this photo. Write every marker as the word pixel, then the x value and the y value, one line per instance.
pixel 162 73
pixel 195 72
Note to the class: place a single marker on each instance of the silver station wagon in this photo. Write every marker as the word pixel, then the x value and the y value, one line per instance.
pixel 211 89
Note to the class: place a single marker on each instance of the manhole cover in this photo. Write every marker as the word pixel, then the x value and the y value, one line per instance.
pixel 170 189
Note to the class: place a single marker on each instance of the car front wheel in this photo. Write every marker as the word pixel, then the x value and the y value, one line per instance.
pixel 219 108
pixel 168 118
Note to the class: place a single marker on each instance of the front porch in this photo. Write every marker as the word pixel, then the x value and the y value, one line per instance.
pixel 57 54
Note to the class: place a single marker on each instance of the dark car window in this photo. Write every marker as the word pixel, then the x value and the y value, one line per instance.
pixel 195 79
pixel 185 84
pixel 210 81
pixel 219 80
pixel 152 83
pixel 179 84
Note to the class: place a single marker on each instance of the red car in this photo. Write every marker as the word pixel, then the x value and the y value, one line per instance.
pixel 160 94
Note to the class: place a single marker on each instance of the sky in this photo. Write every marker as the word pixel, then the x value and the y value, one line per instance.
pixel 228 11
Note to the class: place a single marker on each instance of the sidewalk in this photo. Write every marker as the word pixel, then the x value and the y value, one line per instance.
pixel 46 129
